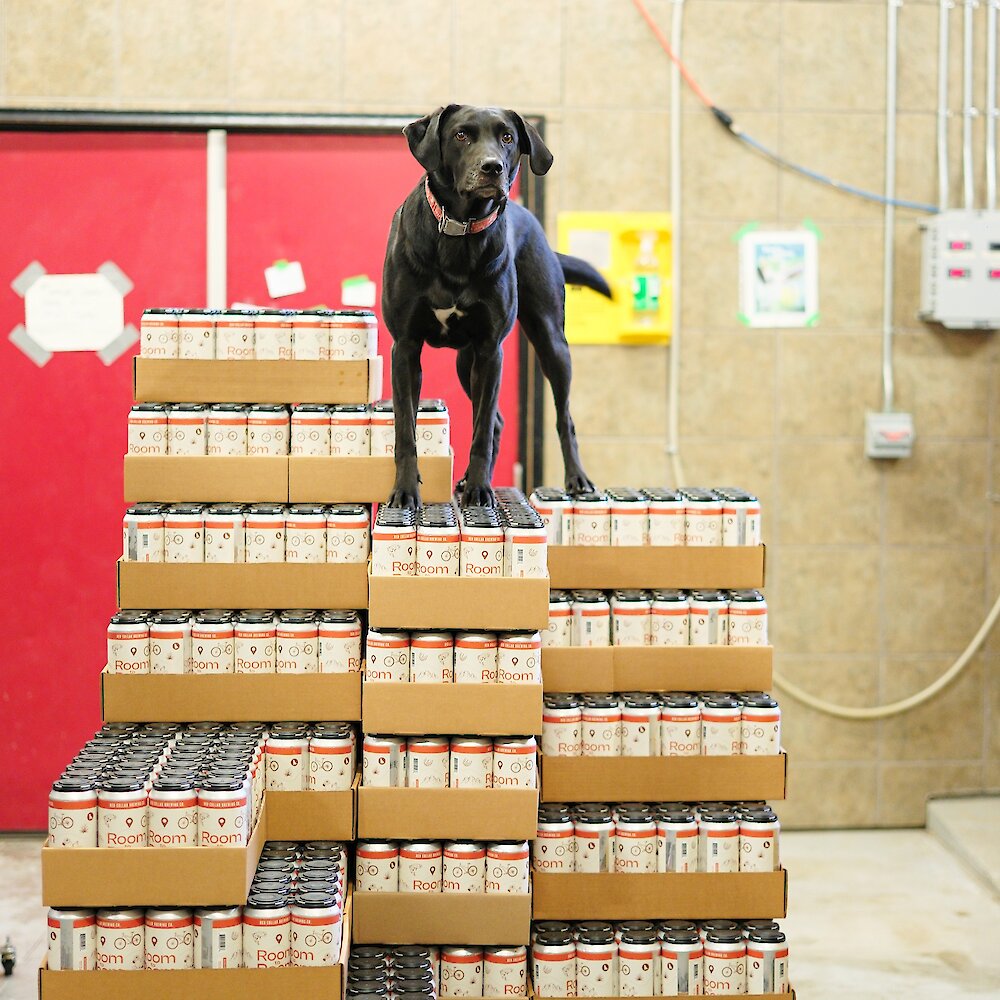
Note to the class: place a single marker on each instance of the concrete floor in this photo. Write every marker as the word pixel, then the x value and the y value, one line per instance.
pixel 887 914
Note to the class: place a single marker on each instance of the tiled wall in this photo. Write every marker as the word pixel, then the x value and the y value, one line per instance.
pixel 878 574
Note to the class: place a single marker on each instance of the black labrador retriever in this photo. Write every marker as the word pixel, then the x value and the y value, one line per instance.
pixel 462 264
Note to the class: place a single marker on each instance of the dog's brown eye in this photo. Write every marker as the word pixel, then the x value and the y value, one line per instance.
pixel 507 138
pixel 461 136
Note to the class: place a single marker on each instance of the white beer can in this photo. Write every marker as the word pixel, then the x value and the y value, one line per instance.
pixel 143 533
pixel 461 972
pixel 170 642
pixel 635 841
pixel 234 336
pixel 638 964
pixel 267 925
pixel 680 725
pixel 287 753
pixel 420 866
pixel 596 964
pixel 526 548
pixel 196 328
pixel 272 332
pixel 147 429
pixel 339 642
pixel 759 833
pixel 353 334
pixel 317 928
pixel 594 839
pixel 471 762
pixel 640 725
pixel 553 849
pixel 725 968
pixel 173 813
pixel 631 617
pixel 740 517
pixel 169 938
pixel 350 430
pixel 747 621
pixel 519 658
pixel 709 618
pixel 310 430
pixel 394 543
pixel 601 726
pixel 310 336
pixel 254 642
pixel 760 725
pixel 562 726
pixel 721 726
pixel 718 841
pixel 682 960
pixel 476 658
pixel 702 517
pixel 184 533
pixel 73 815
pixel 187 425
pixel 121 812
pixel 383 428
pixel 463 866
pixel 121 939
pixel 559 632
pixel 348 533
pixel 128 643
pixel 72 942
pixel 225 533
pixel 591 618
pixel 432 658
pixel 438 548
pixel 383 761
pixel 268 430
pixel 212 643
pixel 508 867
pixel 482 547
pixel 223 812
pixel 629 517
pixel 666 516
pixel 553 964
pixel 265 533
pixel 433 435
pixel 387 655
pixel 555 508
pixel 505 971
pixel 427 761
pixel 670 618
pixel 305 533
pixel 377 866
pixel 159 333
pixel 514 763
pixel 331 758
pixel 676 839
pixel 592 519
pixel 218 938
pixel 767 962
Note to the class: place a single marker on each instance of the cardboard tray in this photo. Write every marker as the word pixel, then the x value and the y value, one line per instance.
pixel 151 876
pixel 242 585
pixel 430 918
pixel 321 983
pixel 456 602
pixel 690 895
pixel 312 815
pixel 657 668
pixel 470 709
pixel 363 480
pixel 210 478
pixel 170 380
pixel 607 567
pixel 756 996
pixel 448 814
pixel 663 779
pixel 230 697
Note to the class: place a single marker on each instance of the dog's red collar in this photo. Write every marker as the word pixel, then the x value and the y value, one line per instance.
pixel 452 227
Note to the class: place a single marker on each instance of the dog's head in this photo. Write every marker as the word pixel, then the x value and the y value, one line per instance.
pixel 477 149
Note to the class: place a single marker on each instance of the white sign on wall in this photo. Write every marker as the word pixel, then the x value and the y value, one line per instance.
pixel 779 278
pixel 73 312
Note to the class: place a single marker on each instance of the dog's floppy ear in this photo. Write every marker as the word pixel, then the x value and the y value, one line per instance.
pixel 424 137
pixel 532 144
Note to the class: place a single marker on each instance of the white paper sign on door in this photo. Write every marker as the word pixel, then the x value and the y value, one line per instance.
pixel 73 312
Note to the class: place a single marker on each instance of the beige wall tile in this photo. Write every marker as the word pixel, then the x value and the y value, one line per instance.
pixel 620 460
pixel 809 735
pixel 722 178
pixel 829 493
pixel 709 277
pixel 850 277
pixel 523 71
pixel 612 59
pixel 826 382
pixel 828 796
pixel 747 463
pixel 59 49
pixel 823 599
pixel 286 53
pixel 991 661
pixel 905 788
pixel 174 49
pixel 918 55
pixel 948 727
pixel 832 57
pixel 906 305
pixel 730 46
pixel 916 170
pixel 991 776
pixel 619 390
pixel 938 496
pixel 727 384
pixel 933 598
pixel 849 148
pixel 615 163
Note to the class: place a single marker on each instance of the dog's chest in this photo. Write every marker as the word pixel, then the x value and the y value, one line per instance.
pixel 445 316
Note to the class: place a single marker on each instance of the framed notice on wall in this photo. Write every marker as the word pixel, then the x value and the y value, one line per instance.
pixel 779 278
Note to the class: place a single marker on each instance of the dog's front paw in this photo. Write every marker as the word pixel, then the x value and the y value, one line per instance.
pixel 405 496
pixel 477 494
pixel 578 482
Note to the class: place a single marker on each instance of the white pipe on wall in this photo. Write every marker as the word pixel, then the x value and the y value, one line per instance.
pixel 944 8
pixel 674 378
pixel 215 279
pixel 889 216
pixel 991 103
pixel 968 110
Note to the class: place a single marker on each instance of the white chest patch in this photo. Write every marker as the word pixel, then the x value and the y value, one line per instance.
pixel 443 315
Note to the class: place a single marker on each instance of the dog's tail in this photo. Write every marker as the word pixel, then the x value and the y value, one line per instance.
pixel 579 272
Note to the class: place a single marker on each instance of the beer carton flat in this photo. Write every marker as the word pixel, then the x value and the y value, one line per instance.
pixel 302 983
pixel 687 895
pixel 458 602
pixel 151 876
pixel 657 668
pixel 312 815
pixel 607 567
pixel 242 585
pixel 361 479
pixel 448 813
pixel 230 697
pixel 174 380
pixel 663 779
pixel 429 918
pixel 471 709
pixel 757 996
pixel 209 478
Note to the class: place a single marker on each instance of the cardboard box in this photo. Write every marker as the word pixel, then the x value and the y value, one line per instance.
pixel 662 779
pixel 363 480
pixel 689 895
pixel 169 380
pixel 658 668
pixel 472 709
pixel 209 478
pixel 151 876
pixel 756 996
pixel 320 983
pixel 231 697
pixel 430 918
pixel 458 602
pixel 312 815
pixel 242 585
pixel 448 813
pixel 607 567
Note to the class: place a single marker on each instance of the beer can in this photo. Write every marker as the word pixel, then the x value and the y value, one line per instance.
pixel 482 544
pixel 718 841
pixel 72 941
pixel 601 726
pixel 287 754
pixel 471 762
pixel 640 725
pixel 591 618
pixel 438 548
pixel 526 548
pixel 682 961
pixel 631 617
pixel 760 725
pixel 184 533
pixel 420 866
pixel 272 332
pixel 592 519
pixel 759 833
pixel 128 643
pixel 143 537
pixel 159 333
pixel 725 968
pixel 721 725
pixel 629 517
pixel 169 938
pixel 268 430
pixel 383 761
pixel 676 839
pixel 508 867
pixel 461 971
pixel 741 520
pixel 213 643
pixel 234 335
pixel 514 762
pixel 387 655
pixel 709 618
pixel 553 846
pixel 267 925
pixel 559 632
pixel 265 533
pixel 638 963
pixel 353 334
pixel 316 929
pixel 702 516
pixel 147 429
pixel 310 425
pixel 747 621
pixel 427 761
pixel 225 533
pixel 350 430
pixel 562 726
pixel 635 840
pixel 173 812
pixel 218 938
pixel 596 963
pixel 505 971
pixel 170 642
pixel 332 757
pixel 553 964
pixel 394 543
pixel 376 866
pixel 432 430
pixel 463 866
pixel 121 939
pixel 226 430
pixel 339 642
pixel 432 658
pixel 519 658
pixel 305 533
pixel 187 424
pixel 555 508
pixel 666 516
pixel 121 812
pixel 223 813
pixel 670 618
pixel 310 336
pixel 383 428
pixel 594 839
pixel 476 656
pixel 347 533
pixel 196 328
pixel 254 639
pixel 767 962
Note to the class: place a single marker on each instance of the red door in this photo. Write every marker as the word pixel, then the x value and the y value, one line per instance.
pixel 72 201
pixel 327 202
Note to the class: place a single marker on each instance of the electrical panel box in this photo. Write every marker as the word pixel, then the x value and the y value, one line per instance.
pixel 960 273
pixel 889 435
pixel 634 252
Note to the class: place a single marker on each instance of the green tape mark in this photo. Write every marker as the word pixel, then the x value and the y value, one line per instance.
pixel 280 264
pixel 743 230
pixel 743 318
pixel 358 279
pixel 813 228
pixel 812 320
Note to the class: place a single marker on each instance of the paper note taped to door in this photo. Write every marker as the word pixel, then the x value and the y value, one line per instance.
pixel 73 312
pixel 284 277
pixel 358 291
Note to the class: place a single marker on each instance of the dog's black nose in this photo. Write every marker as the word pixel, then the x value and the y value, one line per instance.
pixel 492 167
